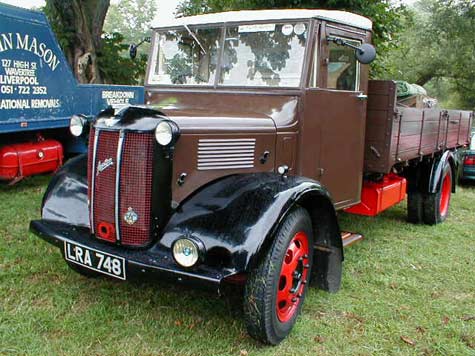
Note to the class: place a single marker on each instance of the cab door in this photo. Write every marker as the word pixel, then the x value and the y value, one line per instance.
pixel 333 130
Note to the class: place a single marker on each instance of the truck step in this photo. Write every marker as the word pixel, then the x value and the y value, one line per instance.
pixel 350 238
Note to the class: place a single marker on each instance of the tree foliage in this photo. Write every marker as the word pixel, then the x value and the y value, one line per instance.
pixel 94 55
pixel 115 65
pixel 437 50
pixel 78 24
pixel 131 18
pixel 385 15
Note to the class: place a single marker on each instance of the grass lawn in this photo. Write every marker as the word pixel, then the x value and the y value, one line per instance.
pixel 407 290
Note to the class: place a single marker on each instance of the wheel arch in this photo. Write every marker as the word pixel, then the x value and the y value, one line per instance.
pixel 66 197
pixel 437 171
pixel 241 214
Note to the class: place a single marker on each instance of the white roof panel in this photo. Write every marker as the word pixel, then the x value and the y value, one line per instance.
pixel 342 17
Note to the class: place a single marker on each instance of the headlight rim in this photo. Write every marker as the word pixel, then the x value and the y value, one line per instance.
pixel 79 119
pixel 200 248
pixel 174 133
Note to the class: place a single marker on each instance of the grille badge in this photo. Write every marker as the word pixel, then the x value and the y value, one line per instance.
pixel 102 166
pixel 131 216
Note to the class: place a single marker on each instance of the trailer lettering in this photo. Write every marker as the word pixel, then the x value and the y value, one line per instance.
pixel 9 41
pixel 6 42
pixel 17 80
pixel 14 104
pixel 45 103
pixel 20 71
pixel 117 98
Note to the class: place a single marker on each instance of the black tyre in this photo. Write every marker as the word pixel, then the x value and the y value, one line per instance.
pixel 83 271
pixel 436 205
pixel 275 290
pixel 415 207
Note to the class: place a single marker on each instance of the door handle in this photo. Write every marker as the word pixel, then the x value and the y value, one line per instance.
pixel 362 96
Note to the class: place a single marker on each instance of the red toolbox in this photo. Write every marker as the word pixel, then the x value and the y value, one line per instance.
pixel 21 160
pixel 379 196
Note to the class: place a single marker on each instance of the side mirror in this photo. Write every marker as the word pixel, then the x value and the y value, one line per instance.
pixel 133 51
pixel 133 47
pixel 365 53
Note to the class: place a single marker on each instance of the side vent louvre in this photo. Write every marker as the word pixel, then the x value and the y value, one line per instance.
pixel 226 153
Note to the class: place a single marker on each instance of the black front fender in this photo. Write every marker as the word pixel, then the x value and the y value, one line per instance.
pixel 236 217
pixel 66 197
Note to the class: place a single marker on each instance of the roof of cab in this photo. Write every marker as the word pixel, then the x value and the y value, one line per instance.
pixel 342 17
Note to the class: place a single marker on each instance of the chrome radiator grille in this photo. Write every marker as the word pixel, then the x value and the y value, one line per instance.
pixel 226 154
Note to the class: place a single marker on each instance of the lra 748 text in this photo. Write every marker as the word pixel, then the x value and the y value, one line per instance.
pixel 258 127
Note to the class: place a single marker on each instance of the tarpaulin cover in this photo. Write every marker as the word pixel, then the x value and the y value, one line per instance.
pixel 405 89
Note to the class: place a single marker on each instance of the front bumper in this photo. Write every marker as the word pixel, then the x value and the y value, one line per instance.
pixel 153 263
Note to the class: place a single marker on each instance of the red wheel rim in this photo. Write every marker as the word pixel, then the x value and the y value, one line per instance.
pixel 445 194
pixel 293 277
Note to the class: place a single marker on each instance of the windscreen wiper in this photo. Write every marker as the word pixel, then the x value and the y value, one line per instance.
pixel 195 38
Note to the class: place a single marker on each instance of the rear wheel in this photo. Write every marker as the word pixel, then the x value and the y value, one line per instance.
pixel 275 290
pixel 415 207
pixel 436 205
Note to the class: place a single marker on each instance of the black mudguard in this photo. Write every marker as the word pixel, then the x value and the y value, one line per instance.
pixel 66 197
pixel 426 176
pixel 437 171
pixel 236 218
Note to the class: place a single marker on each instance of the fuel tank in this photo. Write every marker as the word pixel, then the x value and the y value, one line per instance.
pixel 21 160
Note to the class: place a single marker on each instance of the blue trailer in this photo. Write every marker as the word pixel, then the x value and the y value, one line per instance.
pixel 39 94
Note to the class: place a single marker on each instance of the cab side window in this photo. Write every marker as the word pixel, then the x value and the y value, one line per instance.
pixel 343 68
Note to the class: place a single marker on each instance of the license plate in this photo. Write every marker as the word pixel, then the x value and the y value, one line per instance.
pixel 95 260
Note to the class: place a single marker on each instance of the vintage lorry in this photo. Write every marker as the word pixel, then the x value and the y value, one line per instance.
pixel 39 94
pixel 258 127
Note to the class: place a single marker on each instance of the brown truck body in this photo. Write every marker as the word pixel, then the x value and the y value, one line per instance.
pixel 396 134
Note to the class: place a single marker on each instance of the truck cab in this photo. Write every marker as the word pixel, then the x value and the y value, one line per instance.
pixel 253 136
pixel 272 78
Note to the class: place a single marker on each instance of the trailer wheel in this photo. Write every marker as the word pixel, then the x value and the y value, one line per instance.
pixel 83 271
pixel 415 212
pixel 436 205
pixel 275 290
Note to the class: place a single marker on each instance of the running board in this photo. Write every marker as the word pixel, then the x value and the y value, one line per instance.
pixel 350 238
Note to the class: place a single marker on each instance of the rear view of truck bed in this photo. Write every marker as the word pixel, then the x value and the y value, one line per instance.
pixel 397 134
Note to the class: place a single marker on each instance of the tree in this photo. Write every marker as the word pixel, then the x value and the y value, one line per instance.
pixel 78 24
pixel 385 16
pixel 131 18
pixel 437 50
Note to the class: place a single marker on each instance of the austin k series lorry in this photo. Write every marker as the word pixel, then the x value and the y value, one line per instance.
pixel 259 126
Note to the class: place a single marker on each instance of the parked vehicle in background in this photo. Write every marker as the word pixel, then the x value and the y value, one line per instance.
pixel 468 162
pixel 39 95
pixel 259 127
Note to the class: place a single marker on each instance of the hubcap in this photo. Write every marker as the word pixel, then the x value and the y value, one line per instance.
pixel 293 277
pixel 446 191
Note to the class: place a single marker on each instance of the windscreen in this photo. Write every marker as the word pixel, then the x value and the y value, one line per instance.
pixel 183 57
pixel 472 144
pixel 258 55
pixel 264 55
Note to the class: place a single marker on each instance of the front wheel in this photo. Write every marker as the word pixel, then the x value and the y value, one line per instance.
pixel 275 290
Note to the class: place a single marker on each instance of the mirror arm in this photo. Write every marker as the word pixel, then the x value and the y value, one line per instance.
pixel 341 42
pixel 146 39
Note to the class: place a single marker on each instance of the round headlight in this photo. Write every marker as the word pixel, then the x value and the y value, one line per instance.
pixel 76 125
pixel 164 133
pixel 186 252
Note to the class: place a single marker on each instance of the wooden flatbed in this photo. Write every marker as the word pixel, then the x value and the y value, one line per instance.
pixel 396 134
